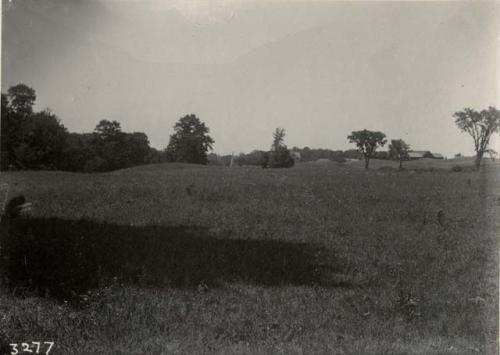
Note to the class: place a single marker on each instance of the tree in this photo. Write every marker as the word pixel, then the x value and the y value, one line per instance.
pixel 22 98
pixel 17 111
pixel 118 149
pixel 108 130
pixel 190 141
pixel 278 139
pixel 37 140
pixel 398 150
pixel 480 125
pixel 44 142
pixel 8 132
pixel 279 156
pixel 136 148
pixel 109 144
pixel 367 143
pixel 80 149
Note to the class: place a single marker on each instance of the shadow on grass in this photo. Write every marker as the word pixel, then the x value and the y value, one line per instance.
pixel 66 257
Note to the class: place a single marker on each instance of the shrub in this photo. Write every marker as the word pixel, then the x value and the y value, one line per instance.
pixel 281 158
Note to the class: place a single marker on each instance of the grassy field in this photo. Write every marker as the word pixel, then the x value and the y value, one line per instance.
pixel 320 258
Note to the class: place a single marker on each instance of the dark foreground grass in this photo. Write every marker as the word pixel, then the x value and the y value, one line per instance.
pixel 314 259
pixel 65 259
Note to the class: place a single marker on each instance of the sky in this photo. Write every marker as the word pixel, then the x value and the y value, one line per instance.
pixel 318 69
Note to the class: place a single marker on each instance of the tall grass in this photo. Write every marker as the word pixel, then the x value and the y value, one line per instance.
pixel 379 261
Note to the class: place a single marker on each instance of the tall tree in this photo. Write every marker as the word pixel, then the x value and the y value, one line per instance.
pixel 279 156
pixel 367 143
pixel 398 150
pixel 107 130
pixel 136 148
pixel 22 98
pixel 190 141
pixel 110 146
pixel 8 134
pixel 17 112
pixel 278 139
pixel 44 142
pixel 480 125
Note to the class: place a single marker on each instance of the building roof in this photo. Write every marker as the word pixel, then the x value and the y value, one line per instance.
pixel 418 153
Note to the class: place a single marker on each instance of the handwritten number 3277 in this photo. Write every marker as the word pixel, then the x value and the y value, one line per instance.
pixel 26 347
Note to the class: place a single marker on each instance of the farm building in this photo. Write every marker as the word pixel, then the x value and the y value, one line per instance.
pixel 419 154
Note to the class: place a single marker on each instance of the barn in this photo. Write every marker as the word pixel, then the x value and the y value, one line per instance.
pixel 419 154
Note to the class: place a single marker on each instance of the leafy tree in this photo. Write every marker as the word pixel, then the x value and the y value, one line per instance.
pixel 136 148
pixel 278 139
pixel 398 150
pixel 44 142
pixel 96 152
pixel 118 149
pixel 190 141
pixel 9 134
pixel 108 142
pixel 108 130
pixel 22 98
pixel 17 109
pixel 480 125
pixel 279 156
pixel 79 150
pixel 367 143
pixel 29 140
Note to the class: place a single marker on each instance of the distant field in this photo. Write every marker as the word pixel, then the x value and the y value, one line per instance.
pixel 426 163
pixel 320 258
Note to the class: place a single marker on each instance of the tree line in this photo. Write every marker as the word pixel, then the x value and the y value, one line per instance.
pixel 38 140
pixel 32 140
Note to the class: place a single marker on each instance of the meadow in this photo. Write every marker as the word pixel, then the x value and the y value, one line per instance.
pixel 319 258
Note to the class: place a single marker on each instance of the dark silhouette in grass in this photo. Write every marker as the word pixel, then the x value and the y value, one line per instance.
pixel 65 258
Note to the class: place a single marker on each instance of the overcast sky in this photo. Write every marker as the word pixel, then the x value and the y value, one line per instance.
pixel 320 70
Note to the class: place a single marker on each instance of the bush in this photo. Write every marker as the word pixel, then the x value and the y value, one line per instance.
pixel 281 158
pixel 456 168
pixel 254 158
